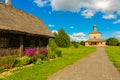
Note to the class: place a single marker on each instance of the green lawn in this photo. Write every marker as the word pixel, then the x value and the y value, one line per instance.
pixel 114 55
pixel 41 72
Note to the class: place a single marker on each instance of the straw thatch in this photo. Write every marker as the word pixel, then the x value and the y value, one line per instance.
pixel 15 20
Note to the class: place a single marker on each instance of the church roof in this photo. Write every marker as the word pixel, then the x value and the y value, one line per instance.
pixel 15 20
pixel 95 32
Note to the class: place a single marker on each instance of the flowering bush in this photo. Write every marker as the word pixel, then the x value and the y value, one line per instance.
pixel 24 60
pixel 30 52
pixel 5 66
pixel 43 51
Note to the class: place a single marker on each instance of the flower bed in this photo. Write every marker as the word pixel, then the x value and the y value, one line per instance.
pixel 29 56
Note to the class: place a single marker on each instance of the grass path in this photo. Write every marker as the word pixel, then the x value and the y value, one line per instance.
pixel 41 72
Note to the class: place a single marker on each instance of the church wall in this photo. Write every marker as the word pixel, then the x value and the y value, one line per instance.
pixel 87 44
pixel 97 44
pixel 95 36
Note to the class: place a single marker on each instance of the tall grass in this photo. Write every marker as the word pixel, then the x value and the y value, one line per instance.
pixel 114 55
pixel 41 72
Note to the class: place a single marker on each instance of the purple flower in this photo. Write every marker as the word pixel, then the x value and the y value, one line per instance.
pixel 43 51
pixel 29 52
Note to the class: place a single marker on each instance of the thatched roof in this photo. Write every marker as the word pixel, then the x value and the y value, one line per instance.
pixel 15 20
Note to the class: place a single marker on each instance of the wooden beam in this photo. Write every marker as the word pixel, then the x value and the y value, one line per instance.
pixel 21 45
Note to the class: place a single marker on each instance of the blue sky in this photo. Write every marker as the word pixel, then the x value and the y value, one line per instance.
pixel 76 16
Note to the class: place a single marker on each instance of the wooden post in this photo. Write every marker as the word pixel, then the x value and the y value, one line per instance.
pixel 21 45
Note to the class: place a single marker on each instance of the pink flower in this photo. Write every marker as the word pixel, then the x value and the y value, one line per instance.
pixel 44 51
pixel 29 52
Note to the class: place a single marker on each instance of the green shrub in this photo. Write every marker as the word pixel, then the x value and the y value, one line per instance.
pixel 8 61
pixel 51 54
pixel 59 53
pixel 39 61
pixel 21 61
pixel 52 47
pixel 1 69
pixel 76 45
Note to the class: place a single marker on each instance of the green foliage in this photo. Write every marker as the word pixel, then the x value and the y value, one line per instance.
pixel 39 61
pixel 82 43
pixel 58 53
pixel 52 49
pixel 52 44
pixel 118 44
pixel 1 69
pixel 114 55
pixel 41 72
pixel 75 44
pixel 42 56
pixel 112 41
pixel 7 61
pixel 21 61
pixel 62 39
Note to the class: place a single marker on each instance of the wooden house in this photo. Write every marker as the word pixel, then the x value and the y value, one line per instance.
pixel 20 30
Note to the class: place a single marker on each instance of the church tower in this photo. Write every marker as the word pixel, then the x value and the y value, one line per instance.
pixel 8 2
pixel 94 28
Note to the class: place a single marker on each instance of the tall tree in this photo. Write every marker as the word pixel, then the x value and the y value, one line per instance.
pixel 62 39
pixel 112 41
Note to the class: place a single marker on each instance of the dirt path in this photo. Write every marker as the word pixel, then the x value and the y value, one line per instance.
pixel 94 67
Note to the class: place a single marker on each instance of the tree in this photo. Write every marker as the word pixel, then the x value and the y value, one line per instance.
pixel 75 44
pixel 82 43
pixel 62 39
pixel 112 41
pixel 118 44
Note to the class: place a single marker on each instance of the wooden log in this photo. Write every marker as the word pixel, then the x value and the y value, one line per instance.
pixel 21 45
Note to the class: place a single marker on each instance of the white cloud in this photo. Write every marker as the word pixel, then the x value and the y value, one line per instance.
pixel 78 37
pixel 117 21
pixel 87 13
pixel 51 25
pixel 109 16
pixel 65 5
pixel 41 3
pixel 54 31
pixel 86 8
